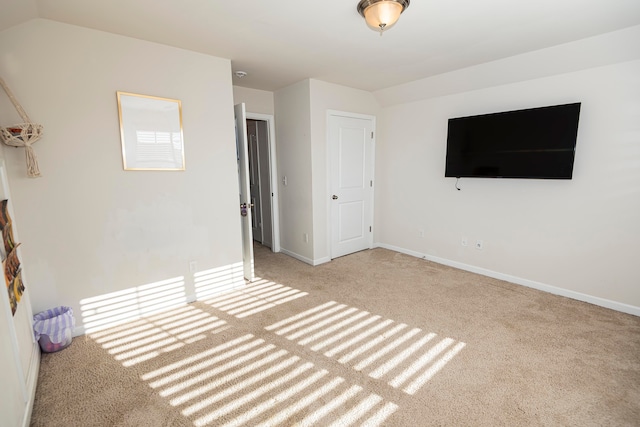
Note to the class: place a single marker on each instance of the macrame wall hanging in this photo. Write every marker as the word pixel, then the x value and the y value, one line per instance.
pixel 22 134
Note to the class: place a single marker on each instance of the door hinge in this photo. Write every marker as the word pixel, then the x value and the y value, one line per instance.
pixel 369 229
pixel 371 134
pixel 371 183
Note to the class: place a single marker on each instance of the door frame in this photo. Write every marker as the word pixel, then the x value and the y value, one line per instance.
pixel 275 205
pixel 338 113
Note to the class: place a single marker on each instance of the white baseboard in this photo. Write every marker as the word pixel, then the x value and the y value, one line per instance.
pixel 296 256
pixel 304 259
pixel 321 261
pixel 602 302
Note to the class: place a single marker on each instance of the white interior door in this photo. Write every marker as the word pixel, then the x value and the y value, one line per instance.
pixel 351 174
pixel 245 193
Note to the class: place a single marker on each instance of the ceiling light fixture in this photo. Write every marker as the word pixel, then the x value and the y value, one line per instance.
pixel 240 74
pixel 382 14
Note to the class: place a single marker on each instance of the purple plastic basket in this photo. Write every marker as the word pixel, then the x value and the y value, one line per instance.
pixel 50 347
pixel 53 328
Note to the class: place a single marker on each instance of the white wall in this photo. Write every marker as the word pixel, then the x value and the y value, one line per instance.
pixel 301 128
pixel 88 227
pixel 605 49
pixel 577 238
pixel 292 117
pixel 328 96
pixel 256 101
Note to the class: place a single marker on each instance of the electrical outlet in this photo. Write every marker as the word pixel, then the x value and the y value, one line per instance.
pixel 421 233
pixel 193 266
pixel 479 245
pixel 464 241
pixel 305 238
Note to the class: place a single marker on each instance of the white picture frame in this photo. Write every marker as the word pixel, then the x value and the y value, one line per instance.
pixel 150 132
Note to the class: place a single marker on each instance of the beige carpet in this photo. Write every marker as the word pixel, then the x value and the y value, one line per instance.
pixel 374 338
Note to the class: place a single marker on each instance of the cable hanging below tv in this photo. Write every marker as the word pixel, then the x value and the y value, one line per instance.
pixel 537 143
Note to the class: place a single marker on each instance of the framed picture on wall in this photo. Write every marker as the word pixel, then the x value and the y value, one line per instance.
pixel 151 132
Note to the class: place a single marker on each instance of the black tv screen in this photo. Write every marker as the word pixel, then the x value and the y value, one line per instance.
pixel 533 143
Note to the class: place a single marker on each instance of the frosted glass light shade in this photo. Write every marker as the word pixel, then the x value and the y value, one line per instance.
pixel 381 15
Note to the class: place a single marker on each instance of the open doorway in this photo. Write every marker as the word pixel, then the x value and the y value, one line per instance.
pixel 263 181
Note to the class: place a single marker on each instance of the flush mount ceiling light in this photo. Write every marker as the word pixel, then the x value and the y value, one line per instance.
pixel 382 14
pixel 240 74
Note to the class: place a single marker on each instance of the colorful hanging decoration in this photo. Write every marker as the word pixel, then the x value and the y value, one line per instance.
pixel 11 264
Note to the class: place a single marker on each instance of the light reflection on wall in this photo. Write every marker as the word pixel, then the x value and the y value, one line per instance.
pixel 119 307
pixel 218 280
pixel 115 308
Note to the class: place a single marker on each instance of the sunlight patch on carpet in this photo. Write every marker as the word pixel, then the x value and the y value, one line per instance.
pixel 383 349
pixel 253 298
pixel 245 379
pixel 249 381
pixel 151 336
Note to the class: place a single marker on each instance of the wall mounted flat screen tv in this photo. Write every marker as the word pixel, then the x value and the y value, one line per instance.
pixel 533 143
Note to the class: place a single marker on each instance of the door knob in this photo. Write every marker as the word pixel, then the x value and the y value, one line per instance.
pixel 334 197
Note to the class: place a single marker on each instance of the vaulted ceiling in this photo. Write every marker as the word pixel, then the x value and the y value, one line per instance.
pixel 282 42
